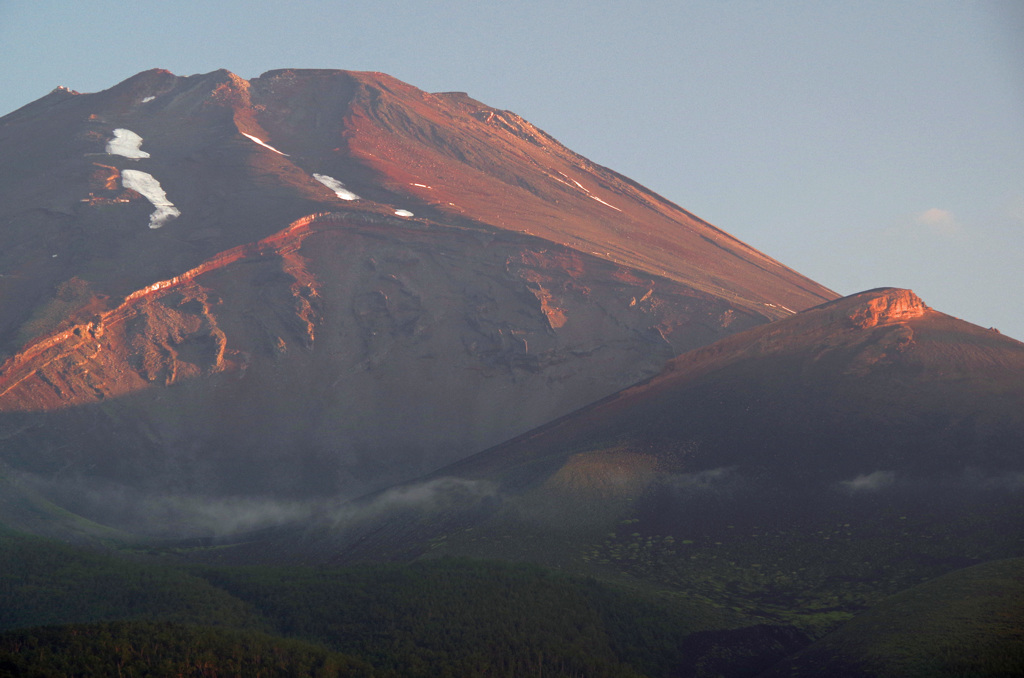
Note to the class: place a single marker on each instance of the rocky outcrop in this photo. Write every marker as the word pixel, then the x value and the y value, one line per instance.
pixel 886 306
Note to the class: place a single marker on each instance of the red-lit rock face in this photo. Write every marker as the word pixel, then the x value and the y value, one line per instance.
pixel 365 281
pixel 890 306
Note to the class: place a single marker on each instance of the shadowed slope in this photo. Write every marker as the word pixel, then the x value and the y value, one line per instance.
pixel 801 470
pixel 873 382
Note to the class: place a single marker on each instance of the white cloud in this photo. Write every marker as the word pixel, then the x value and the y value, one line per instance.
pixel 871 482
pixel 702 480
pixel 938 221
pixel 444 493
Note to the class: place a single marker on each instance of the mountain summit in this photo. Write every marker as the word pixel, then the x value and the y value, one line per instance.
pixel 322 282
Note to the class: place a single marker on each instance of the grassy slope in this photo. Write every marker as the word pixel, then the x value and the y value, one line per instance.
pixel 44 582
pixel 967 623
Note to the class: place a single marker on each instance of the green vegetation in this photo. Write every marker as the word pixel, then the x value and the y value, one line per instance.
pixel 70 611
pixel 967 623
pixel 814 572
pixel 43 582
pixel 473 618
pixel 446 617
pixel 26 509
pixel 163 649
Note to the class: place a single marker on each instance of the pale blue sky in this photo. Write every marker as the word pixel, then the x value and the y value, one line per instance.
pixel 864 143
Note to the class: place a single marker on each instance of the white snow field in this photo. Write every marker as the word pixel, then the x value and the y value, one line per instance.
pixel 126 143
pixel 336 186
pixel 150 188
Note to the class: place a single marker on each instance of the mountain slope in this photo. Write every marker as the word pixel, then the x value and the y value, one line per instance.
pixel 873 382
pixel 239 159
pixel 800 470
pixel 259 289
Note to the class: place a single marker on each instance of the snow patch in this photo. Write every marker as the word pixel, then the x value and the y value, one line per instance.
pixel 336 186
pixel 263 143
pixel 420 185
pixel 561 181
pixel 582 188
pixel 126 143
pixel 148 99
pixel 150 188
pixel 784 308
pixel 604 203
pixel 403 213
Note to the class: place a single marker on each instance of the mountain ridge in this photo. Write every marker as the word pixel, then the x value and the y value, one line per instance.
pixel 237 110
pixel 854 338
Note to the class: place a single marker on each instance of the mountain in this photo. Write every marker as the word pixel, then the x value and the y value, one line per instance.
pixel 320 283
pixel 324 318
pixel 799 471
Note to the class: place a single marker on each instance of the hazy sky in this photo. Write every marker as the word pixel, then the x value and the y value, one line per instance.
pixel 864 144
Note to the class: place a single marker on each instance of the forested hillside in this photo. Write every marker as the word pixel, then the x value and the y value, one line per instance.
pixel 447 617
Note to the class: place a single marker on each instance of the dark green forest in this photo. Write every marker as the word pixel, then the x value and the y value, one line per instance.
pixel 69 611
pixel 165 649
pixel 73 611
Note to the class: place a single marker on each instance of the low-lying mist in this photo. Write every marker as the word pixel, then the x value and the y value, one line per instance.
pixel 172 515
pixel 703 497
